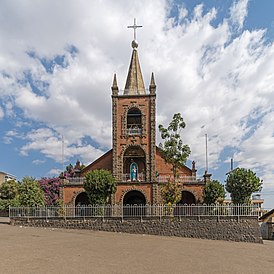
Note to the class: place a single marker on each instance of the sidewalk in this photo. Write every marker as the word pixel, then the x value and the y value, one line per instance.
pixel 4 220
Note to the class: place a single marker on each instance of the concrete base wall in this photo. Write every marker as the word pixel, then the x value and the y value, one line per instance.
pixel 245 229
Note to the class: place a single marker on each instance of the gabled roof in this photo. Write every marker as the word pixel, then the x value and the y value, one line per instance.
pixel 267 216
pixel 158 149
pixel 97 161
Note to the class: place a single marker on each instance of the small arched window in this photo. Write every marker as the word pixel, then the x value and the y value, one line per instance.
pixel 134 121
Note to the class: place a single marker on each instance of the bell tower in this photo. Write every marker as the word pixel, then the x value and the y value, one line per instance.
pixel 133 123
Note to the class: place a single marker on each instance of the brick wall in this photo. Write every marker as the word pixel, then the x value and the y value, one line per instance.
pixel 145 189
pixel 70 193
pixel 164 168
pixel 103 162
pixel 228 229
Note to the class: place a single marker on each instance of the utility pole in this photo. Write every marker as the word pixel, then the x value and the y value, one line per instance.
pixel 206 169
pixel 63 151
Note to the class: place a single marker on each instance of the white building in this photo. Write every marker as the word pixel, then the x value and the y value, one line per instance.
pixel 5 177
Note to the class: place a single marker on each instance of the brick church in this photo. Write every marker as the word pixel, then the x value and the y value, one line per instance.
pixel 134 160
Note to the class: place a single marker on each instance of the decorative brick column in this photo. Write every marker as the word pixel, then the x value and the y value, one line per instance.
pixel 115 92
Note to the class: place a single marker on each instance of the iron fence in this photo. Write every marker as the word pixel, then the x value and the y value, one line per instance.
pixel 133 211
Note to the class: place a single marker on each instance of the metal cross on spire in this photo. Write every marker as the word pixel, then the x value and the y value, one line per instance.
pixel 134 27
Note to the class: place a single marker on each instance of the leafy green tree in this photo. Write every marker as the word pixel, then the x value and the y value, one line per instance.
pixel 214 192
pixel 9 190
pixel 171 193
pixel 173 150
pixel 241 183
pixel 99 184
pixel 9 194
pixel 5 204
pixel 30 193
pixel 71 171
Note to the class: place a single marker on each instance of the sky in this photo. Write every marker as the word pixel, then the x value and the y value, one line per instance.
pixel 212 61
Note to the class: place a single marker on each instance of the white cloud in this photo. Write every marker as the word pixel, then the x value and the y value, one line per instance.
pixel 238 13
pixel 54 172
pixel 49 143
pixel 9 136
pixel 38 162
pixel 255 151
pixel 1 113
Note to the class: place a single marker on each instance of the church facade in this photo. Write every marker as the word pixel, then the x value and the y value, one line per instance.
pixel 134 160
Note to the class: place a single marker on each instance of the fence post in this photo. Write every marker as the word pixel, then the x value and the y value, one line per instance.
pixel 28 213
pixel 103 212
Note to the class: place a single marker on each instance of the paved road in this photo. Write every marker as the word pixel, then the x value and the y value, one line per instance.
pixel 40 250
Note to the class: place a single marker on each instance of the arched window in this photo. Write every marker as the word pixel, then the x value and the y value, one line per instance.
pixel 134 164
pixel 134 122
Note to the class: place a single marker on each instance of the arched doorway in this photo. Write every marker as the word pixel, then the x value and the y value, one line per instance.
pixel 187 198
pixel 134 197
pixel 133 203
pixel 82 199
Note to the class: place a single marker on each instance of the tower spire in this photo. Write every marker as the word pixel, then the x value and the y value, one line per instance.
pixel 135 83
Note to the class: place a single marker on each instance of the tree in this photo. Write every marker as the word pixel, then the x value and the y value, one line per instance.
pixel 171 193
pixel 9 190
pixel 99 184
pixel 173 150
pixel 51 189
pixel 214 192
pixel 241 183
pixel 30 193
pixel 9 194
pixel 72 171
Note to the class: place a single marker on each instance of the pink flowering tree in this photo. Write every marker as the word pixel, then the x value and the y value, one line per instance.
pixel 51 189
pixel 73 171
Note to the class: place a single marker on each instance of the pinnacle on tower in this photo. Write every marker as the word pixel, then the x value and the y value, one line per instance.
pixel 152 86
pixel 114 87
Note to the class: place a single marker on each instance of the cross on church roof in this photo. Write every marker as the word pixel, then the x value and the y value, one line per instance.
pixel 134 27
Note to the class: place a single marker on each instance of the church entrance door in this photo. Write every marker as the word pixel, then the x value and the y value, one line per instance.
pixel 81 202
pixel 82 199
pixel 133 203
pixel 187 198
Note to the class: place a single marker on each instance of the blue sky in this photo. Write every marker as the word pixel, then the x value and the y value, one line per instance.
pixel 213 62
